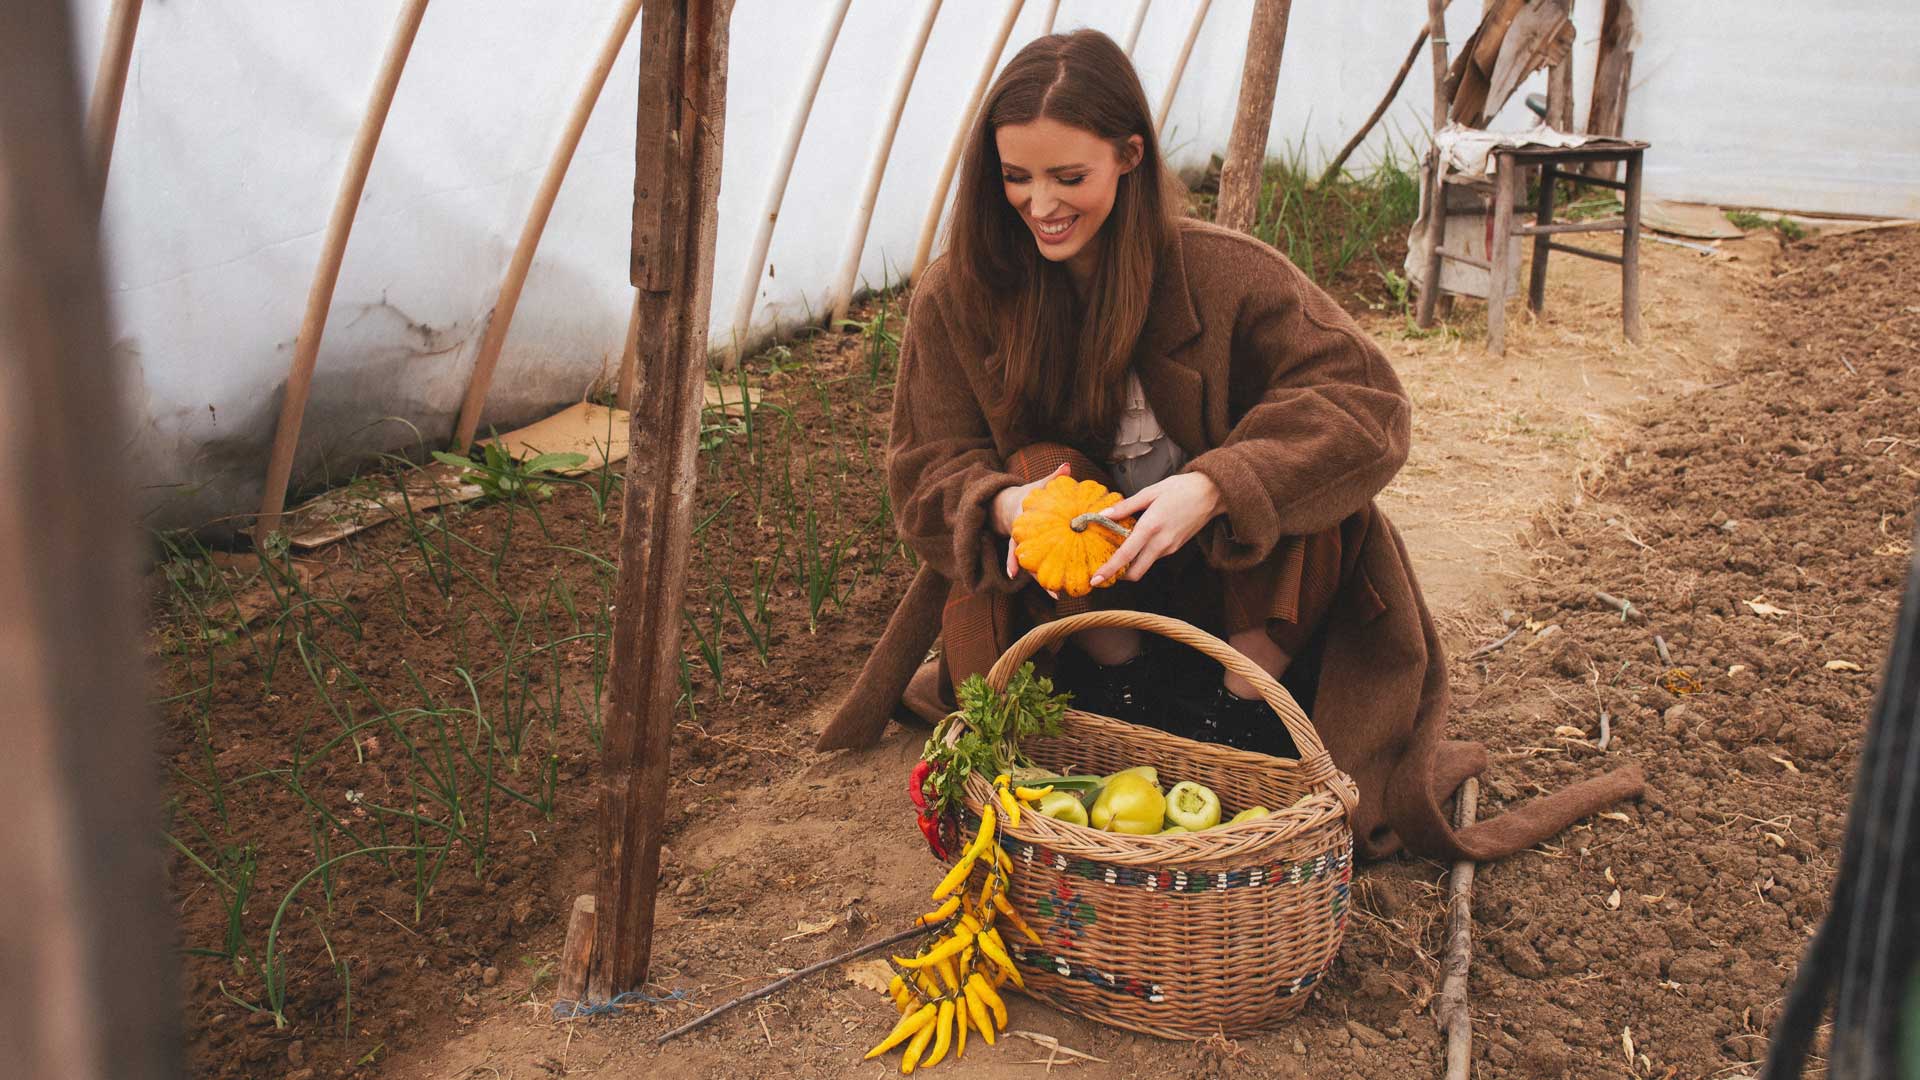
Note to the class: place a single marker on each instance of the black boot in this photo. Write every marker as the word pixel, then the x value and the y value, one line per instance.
pixel 1123 691
pixel 1242 723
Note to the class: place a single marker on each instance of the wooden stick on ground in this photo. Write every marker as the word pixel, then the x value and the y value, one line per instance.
pixel 306 346
pixel 677 147
pixel 788 980
pixel 1243 172
pixel 1452 1005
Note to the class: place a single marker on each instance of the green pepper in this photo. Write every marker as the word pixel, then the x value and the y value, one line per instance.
pixel 1062 805
pixel 1129 804
pixel 1251 813
pixel 1192 805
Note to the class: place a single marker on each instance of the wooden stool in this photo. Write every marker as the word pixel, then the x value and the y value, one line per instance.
pixel 1509 167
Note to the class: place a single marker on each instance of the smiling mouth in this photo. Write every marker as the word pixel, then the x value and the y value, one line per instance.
pixel 1056 231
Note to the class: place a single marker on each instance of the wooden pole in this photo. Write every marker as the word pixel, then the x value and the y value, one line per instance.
pixel 1613 66
pixel 1436 167
pixel 682 113
pixel 842 295
pixel 1393 91
pixel 1454 1017
pixel 495 338
pixel 629 358
pixel 1242 173
pixel 1630 252
pixel 88 941
pixel 940 187
pixel 1053 13
pixel 109 89
pixel 313 324
pixel 777 191
pixel 1133 28
pixel 1180 68
pixel 1560 95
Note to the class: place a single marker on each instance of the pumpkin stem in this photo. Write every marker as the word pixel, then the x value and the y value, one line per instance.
pixel 1081 522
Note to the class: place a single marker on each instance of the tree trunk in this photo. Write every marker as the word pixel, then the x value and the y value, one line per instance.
pixel 1240 177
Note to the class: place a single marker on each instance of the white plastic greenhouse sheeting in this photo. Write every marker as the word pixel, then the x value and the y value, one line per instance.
pixel 239 116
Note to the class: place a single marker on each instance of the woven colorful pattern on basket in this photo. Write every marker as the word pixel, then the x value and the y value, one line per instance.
pixel 1058 965
pixel 1196 881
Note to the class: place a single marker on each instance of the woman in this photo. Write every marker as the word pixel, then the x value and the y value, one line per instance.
pixel 1078 323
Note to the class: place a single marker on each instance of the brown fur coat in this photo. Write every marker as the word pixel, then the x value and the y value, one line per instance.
pixel 1282 401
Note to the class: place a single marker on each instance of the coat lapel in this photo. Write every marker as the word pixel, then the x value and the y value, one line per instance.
pixel 1175 389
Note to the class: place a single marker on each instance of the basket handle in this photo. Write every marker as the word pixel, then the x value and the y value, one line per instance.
pixel 1316 764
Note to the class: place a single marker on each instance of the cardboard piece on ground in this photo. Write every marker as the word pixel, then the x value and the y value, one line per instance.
pixel 338 514
pixel 594 430
pixel 1690 220
pixel 726 397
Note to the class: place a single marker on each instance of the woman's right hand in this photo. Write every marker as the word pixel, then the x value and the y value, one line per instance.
pixel 1006 507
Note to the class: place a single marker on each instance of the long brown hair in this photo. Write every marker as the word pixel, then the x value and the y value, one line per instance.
pixel 1062 359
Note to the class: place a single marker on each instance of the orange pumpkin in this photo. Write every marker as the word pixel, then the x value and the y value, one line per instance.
pixel 1061 538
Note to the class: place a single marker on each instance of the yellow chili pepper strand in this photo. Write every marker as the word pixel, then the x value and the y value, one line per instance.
pixel 978 1011
pixel 960 1024
pixel 918 1046
pixel 984 993
pixel 991 945
pixel 1013 917
pixel 905 1029
pixel 942 1035
pixel 1009 805
pixel 949 947
pixel 1033 794
pixel 939 914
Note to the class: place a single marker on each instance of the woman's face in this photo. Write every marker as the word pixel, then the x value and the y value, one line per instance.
pixel 1062 180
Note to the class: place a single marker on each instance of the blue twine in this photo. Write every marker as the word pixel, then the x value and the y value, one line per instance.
pixel 569 1010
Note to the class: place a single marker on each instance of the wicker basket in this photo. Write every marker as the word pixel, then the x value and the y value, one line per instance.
pixel 1225 930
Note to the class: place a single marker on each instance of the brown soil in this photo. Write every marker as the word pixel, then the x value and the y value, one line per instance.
pixel 1768 478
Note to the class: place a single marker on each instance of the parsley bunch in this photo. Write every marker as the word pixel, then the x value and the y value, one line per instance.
pixel 994 723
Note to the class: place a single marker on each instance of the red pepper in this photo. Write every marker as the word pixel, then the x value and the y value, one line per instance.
pixel 917 783
pixel 930 828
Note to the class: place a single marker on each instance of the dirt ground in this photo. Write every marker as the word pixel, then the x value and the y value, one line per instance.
pixel 1745 478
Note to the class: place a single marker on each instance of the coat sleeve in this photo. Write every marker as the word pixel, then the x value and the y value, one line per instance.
pixel 942 468
pixel 1321 426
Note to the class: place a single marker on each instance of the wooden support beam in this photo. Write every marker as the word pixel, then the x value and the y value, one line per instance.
pixel 313 324
pixel 1180 68
pixel 924 250
pixel 777 190
pixel 1436 168
pixel 1613 68
pixel 1053 13
pixel 109 90
pixel 841 298
pixel 1584 253
pixel 89 939
pixel 1332 172
pixel 1560 95
pixel 683 93
pixel 484 362
pixel 1242 174
pixel 1133 28
pixel 1558 228
pixel 628 383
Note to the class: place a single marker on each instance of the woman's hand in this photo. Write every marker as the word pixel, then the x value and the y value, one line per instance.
pixel 1006 507
pixel 1169 514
